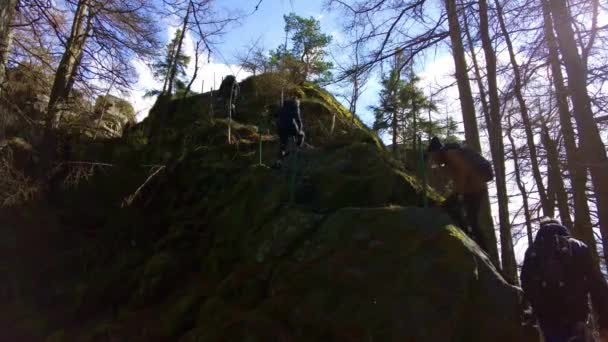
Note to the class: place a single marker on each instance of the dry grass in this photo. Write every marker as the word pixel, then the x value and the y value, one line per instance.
pixel 15 187
pixel 79 171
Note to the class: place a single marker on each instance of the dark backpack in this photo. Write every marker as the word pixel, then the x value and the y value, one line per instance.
pixel 483 166
pixel 552 272
pixel 288 113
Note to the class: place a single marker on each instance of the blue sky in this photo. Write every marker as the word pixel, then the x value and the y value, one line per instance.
pixel 267 22
pixel 266 27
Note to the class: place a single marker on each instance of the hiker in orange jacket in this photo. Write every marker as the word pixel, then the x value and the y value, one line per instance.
pixel 470 172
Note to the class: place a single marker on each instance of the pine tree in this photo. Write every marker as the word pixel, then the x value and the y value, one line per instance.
pixel 401 110
pixel 161 68
pixel 305 58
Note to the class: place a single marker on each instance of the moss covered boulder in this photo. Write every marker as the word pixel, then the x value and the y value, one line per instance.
pixel 217 246
pixel 385 274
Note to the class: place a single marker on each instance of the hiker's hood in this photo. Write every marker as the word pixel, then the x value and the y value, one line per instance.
pixel 551 229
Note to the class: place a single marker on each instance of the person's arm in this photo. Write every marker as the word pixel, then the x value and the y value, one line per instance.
pixel 528 288
pixel 298 119
pixel 525 276
pixel 457 169
pixel 598 289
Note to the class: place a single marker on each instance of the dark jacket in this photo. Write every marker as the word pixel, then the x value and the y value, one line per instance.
pixel 289 116
pixel 583 278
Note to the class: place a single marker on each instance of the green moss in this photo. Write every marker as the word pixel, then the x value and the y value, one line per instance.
pixel 34 325
pixel 104 331
pixel 370 268
pixel 58 336
pixel 182 315
pixel 156 279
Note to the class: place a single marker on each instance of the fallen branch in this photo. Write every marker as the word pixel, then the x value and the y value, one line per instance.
pixel 78 171
pixel 85 163
pixel 129 200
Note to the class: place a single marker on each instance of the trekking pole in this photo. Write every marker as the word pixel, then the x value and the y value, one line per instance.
pixel 422 172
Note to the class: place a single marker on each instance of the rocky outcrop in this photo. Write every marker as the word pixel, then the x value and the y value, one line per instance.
pixel 335 246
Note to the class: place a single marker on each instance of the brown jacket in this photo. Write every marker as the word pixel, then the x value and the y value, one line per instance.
pixel 465 176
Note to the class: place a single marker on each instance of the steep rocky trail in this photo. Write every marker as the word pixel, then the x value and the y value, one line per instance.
pixel 216 247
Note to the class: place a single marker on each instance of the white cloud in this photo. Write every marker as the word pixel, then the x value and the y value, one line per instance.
pixel 209 76
pixel 439 74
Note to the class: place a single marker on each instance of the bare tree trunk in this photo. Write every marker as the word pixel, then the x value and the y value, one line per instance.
pixel 470 120
pixel 178 51
pixel 592 148
pixel 485 107
pixel 555 177
pixel 414 127
pixel 509 266
pixel 550 189
pixel 70 61
pixel 525 117
pixel 595 4
pixel 234 84
pixel 482 91
pixel 582 220
pixel 471 130
pixel 358 81
pixel 395 122
pixel 196 52
pixel 520 183
pixel 7 11
pixel 355 95
pixel 171 59
pixel 395 132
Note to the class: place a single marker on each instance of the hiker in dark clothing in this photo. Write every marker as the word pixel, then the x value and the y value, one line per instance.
pixel 558 276
pixel 229 93
pixel 290 125
pixel 470 172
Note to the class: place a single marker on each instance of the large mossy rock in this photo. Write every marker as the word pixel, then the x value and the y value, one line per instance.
pixel 219 247
pixel 385 274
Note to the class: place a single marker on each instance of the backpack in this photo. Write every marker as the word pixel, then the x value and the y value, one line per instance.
pixel 553 272
pixel 481 164
pixel 287 113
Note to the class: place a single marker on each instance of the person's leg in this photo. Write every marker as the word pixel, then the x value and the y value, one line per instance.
pixel 581 333
pixel 283 140
pixel 300 138
pixel 571 333
pixel 555 334
pixel 472 205
pixel 453 208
